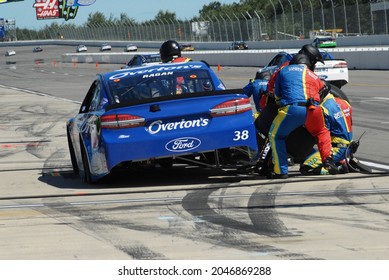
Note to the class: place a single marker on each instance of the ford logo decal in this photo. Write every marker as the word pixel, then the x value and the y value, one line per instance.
pixel 183 144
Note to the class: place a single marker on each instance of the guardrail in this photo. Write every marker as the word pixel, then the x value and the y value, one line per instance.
pixel 364 52
pixel 357 58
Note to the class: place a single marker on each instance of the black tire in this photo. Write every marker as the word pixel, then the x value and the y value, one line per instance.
pixel 299 144
pixel 87 176
pixel 73 159
pixel 337 92
pixel 166 162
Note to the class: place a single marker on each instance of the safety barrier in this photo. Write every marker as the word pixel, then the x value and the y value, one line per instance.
pixel 360 52
pixel 373 58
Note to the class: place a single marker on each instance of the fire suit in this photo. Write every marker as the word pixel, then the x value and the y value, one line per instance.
pixel 338 119
pixel 315 122
pixel 271 83
pixel 181 59
pixel 256 88
pixel 297 93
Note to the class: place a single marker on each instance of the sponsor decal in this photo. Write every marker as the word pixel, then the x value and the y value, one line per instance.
pixel 347 112
pixel 154 71
pixel 221 86
pixel 323 77
pixel 158 126
pixel 295 68
pixel 183 144
pixel 313 75
pixel 338 115
pixel 87 125
pixel 157 75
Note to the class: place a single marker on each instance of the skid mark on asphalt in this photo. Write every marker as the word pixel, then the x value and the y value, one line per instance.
pixel 91 222
pixel 351 198
pixel 216 226
pixel 263 214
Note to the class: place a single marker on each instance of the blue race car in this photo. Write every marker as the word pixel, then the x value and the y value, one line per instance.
pixel 144 59
pixel 160 114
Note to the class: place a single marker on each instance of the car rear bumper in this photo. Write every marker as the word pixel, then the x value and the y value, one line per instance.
pixel 140 145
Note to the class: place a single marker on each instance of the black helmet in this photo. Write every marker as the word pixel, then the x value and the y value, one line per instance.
pixel 301 59
pixel 263 75
pixel 169 49
pixel 313 53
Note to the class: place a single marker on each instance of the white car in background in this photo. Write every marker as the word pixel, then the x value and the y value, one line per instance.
pixel 335 71
pixel 81 48
pixel 10 53
pixel 105 47
pixel 130 48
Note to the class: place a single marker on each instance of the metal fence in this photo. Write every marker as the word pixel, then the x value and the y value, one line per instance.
pixel 292 21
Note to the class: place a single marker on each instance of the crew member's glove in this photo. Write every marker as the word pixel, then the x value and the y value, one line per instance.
pixel 324 90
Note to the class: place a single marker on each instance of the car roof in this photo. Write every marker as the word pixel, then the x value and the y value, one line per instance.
pixel 324 54
pixel 150 55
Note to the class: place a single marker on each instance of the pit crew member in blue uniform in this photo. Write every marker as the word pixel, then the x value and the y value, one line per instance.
pixel 296 92
pixel 269 112
pixel 314 56
pixel 257 88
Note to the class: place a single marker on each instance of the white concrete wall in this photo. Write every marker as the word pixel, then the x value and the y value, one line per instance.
pixel 357 58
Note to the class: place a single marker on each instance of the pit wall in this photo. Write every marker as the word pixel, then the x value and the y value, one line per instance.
pixel 360 52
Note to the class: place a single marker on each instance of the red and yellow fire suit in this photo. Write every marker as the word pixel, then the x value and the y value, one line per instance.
pixel 338 120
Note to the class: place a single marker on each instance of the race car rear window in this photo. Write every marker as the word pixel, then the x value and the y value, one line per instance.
pixel 169 83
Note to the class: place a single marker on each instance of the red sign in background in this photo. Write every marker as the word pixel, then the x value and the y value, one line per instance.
pixel 46 9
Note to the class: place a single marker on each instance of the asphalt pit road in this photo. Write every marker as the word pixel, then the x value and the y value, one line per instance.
pixel 39 61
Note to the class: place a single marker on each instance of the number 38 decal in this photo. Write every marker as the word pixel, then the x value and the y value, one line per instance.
pixel 241 135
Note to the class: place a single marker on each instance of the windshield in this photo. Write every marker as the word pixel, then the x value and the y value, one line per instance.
pixel 130 88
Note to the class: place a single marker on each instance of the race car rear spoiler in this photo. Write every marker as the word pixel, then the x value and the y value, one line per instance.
pixel 174 97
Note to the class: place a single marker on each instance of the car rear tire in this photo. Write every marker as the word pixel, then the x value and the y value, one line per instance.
pixel 166 162
pixel 337 92
pixel 299 144
pixel 86 176
pixel 72 154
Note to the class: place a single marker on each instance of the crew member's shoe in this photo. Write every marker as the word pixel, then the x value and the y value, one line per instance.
pixel 277 176
pixel 343 168
pixel 330 165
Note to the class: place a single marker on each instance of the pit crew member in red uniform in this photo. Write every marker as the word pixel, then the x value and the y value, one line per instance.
pixel 338 119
